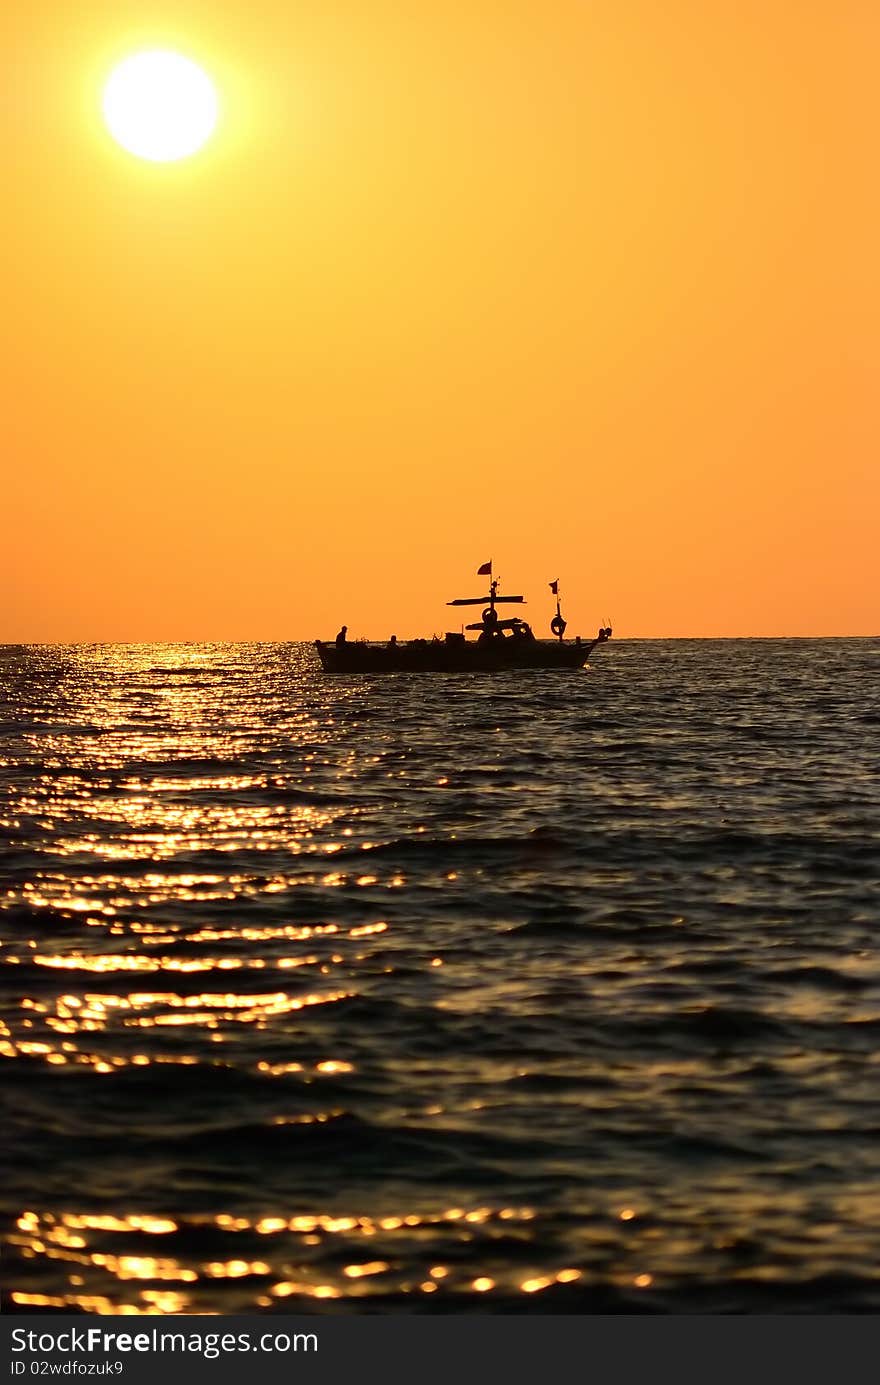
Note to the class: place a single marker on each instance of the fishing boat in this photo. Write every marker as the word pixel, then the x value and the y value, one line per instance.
pixel 501 643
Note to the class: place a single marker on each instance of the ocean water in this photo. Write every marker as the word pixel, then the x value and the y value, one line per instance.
pixel 512 993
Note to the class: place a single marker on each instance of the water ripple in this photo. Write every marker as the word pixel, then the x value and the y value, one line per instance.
pixel 554 994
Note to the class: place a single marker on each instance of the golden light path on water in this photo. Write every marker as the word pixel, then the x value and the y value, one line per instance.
pixel 135 823
pixel 280 1006
pixel 66 1238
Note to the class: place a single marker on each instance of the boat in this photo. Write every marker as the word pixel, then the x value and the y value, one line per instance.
pixel 501 643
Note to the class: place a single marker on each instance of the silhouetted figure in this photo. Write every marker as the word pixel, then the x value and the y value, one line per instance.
pixel 392 643
pixel 342 637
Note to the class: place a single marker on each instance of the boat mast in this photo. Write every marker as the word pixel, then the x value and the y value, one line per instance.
pixel 489 621
pixel 558 623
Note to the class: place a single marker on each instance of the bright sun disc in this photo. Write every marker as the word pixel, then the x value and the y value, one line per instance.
pixel 160 106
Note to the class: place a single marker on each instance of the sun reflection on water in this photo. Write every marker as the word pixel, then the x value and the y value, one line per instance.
pixel 69 1237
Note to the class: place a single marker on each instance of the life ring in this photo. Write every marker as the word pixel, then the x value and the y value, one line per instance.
pixel 557 625
pixel 490 616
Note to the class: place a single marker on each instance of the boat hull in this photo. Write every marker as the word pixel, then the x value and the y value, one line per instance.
pixel 435 656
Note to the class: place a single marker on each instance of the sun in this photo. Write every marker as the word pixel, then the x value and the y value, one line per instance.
pixel 160 106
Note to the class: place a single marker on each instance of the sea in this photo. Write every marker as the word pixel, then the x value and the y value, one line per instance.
pixel 547 992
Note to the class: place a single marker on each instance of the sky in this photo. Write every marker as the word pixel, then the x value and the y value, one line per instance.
pixel 588 288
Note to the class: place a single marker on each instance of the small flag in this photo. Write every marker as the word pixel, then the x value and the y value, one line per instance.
pixel 485 570
pixel 554 587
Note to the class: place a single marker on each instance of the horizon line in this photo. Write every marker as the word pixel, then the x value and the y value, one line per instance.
pixel 617 639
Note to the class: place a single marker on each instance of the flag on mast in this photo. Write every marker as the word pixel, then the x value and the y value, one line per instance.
pixel 485 570
pixel 554 587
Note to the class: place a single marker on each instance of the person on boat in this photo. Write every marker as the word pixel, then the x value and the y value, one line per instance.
pixel 392 643
pixel 342 637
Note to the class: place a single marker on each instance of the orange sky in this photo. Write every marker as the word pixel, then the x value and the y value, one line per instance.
pixel 585 286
